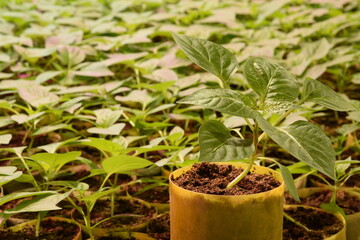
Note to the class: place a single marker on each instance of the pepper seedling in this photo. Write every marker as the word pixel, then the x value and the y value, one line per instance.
pixel 275 92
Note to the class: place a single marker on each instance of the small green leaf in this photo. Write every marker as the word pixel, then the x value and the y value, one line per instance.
pixel 43 77
pixel 289 181
pixel 124 163
pixel 104 145
pixel 40 203
pixel 50 128
pixel 305 141
pixel 112 130
pixel 52 162
pixel 218 145
pixel 317 92
pixel 222 100
pixel 12 196
pixel 333 207
pixel 107 117
pixel 37 96
pixel 8 174
pixel 211 56
pixel 270 80
pixel 5 138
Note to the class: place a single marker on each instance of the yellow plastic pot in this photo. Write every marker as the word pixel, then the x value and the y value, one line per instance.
pixel 341 235
pixel 352 221
pixel 199 216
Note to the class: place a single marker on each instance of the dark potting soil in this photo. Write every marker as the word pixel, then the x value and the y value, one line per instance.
pixel 321 224
pixel 49 229
pixel 159 228
pixel 349 204
pixel 123 206
pixel 212 178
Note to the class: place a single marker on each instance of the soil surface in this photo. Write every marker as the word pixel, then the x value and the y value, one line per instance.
pixel 212 178
pixel 49 229
pixel 349 204
pixel 159 228
pixel 321 224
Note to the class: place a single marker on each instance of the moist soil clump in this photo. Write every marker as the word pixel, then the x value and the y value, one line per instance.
pixel 159 228
pixel 350 204
pixel 321 224
pixel 212 178
pixel 49 229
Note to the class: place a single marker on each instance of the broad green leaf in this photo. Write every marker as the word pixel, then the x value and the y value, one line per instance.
pixel 316 50
pixel 305 141
pixel 43 77
pixel 222 100
pixel 37 96
pixel 333 207
pixel 8 174
pixel 5 138
pixel 107 117
pixel 218 145
pixel 341 167
pixel 12 196
pixel 104 145
pixel 71 55
pixel 124 163
pixel 96 69
pixel 50 128
pixel 112 130
pixel 40 203
pixel 22 118
pixel 52 147
pixel 29 53
pixel 315 91
pixel 289 181
pixel 52 162
pixel 270 80
pixel 211 56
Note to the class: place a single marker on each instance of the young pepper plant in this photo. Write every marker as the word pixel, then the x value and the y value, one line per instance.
pixel 277 91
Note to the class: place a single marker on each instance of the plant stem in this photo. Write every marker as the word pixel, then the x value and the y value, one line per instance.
pixel 252 159
pixel 37 227
pixel 296 222
pixel 36 186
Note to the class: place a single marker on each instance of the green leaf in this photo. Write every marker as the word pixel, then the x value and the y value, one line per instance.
pixel 317 92
pixel 211 56
pixel 104 145
pixel 5 138
pixel 50 128
pixel 333 207
pixel 37 96
pixel 40 203
pixel 107 117
pixel 43 77
pixel 112 130
pixel 289 181
pixel 218 145
pixel 52 162
pixel 12 196
pixel 70 55
pixel 270 80
pixel 222 100
pixel 52 147
pixel 305 141
pixel 8 174
pixel 124 163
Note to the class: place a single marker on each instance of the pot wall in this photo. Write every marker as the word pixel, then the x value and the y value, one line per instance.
pixel 197 216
